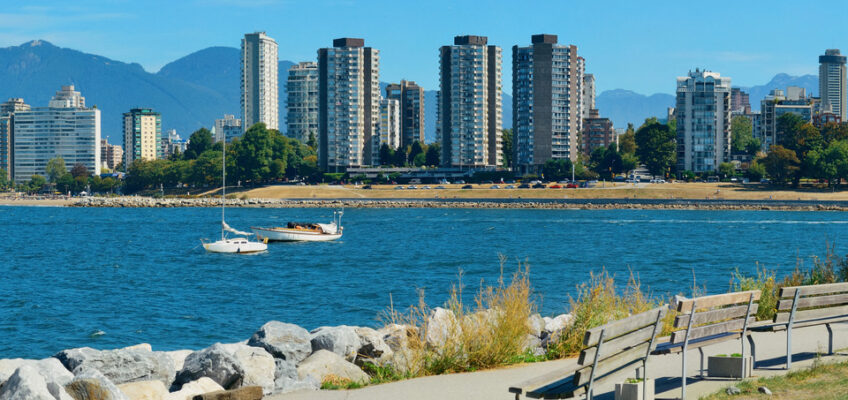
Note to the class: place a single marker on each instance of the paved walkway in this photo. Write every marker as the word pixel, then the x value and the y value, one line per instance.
pixel 493 384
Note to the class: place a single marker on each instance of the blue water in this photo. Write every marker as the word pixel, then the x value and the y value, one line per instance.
pixel 114 277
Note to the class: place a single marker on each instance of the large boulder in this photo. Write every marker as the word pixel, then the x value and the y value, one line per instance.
pixel 25 384
pixel 121 365
pixel 144 390
pixel 372 347
pixel 55 375
pixel 286 378
pixel 441 325
pixel 214 362
pixel 536 324
pixel 91 384
pixel 245 393
pixel 325 363
pixel 558 323
pixel 194 388
pixel 258 365
pixel 178 357
pixel 342 340
pixel 397 336
pixel 287 341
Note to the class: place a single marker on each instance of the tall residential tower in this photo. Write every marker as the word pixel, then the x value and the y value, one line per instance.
pixel 470 101
pixel 142 136
pixel 703 121
pixel 832 82
pixel 348 103
pixel 547 102
pixel 302 102
pixel 7 132
pixel 259 97
pixel 411 98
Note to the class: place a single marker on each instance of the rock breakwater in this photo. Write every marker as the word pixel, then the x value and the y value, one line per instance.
pixel 583 204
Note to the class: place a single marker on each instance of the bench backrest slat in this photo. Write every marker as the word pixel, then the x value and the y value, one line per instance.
pixel 712 329
pixel 611 364
pixel 818 301
pixel 623 326
pixel 587 356
pixel 718 300
pixel 789 292
pixel 815 313
pixel 682 321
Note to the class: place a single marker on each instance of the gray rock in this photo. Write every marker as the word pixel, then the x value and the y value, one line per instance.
pixel 397 336
pixel 178 358
pixel 287 341
pixel 122 365
pixel 536 324
pixel 213 362
pixel 764 390
pixel 323 363
pixel 532 343
pixel 441 325
pixel 372 346
pixel 194 388
pixel 258 365
pixel 91 384
pixel 55 375
pixel 558 323
pixel 285 384
pixel 341 340
pixel 25 384
pixel 732 391
pixel 144 390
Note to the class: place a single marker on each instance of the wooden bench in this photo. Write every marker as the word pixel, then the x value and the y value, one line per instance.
pixel 709 320
pixel 606 349
pixel 802 306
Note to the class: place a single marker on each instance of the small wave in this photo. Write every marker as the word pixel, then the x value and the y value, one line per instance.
pixel 97 333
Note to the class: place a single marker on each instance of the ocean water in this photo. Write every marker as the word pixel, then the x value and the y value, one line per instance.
pixel 107 278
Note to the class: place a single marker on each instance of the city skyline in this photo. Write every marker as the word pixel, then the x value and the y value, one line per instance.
pixel 630 35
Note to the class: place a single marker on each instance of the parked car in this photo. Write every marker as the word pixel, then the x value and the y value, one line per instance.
pixel 398 187
pixel 572 185
pixel 555 186
pixel 619 179
pixel 765 181
pixel 367 187
pixel 412 187
pixel 539 185
pixel 509 187
pixel 426 187
pixel 467 187
pixel 494 187
pixel 524 186
pixel 440 187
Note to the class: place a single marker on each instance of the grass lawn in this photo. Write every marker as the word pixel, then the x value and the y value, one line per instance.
pixel 822 381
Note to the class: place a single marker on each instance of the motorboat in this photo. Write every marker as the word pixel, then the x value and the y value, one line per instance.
pixel 303 231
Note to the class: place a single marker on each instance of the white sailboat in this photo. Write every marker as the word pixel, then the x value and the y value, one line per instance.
pixel 235 245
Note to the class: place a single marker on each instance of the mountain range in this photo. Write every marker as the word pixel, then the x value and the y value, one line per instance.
pixel 193 91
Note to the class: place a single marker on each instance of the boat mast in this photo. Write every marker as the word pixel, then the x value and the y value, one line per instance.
pixel 223 183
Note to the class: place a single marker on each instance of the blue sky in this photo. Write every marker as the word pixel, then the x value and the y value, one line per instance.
pixel 636 45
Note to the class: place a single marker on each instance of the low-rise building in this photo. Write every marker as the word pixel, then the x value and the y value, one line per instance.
pixel 777 103
pixel 227 128
pixel 110 154
pixel 597 132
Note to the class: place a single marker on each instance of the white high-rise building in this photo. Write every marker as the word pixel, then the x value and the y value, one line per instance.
pixel 259 88
pixel 388 130
pixel 703 121
pixel 588 94
pixel 66 128
pixel 302 110
pixel 832 83
pixel 470 103
pixel 348 104
pixel 547 103
pixel 227 128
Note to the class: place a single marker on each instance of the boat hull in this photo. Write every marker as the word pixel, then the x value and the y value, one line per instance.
pixel 235 247
pixel 293 235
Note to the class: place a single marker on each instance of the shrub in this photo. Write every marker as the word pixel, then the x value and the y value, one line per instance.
pixel 765 282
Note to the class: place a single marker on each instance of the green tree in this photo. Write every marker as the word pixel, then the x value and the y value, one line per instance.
pixel 627 141
pixel 312 141
pixel 741 134
pixel 433 154
pixel 55 168
pixel 4 179
pixel 832 163
pixel 79 170
pixel 781 163
pixel 833 131
pixel 655 147
pixel 65 183
pixel 607 161
pixel 414 151
pixel 252 154
pixel 387 155
pixel 753 147
pixel 507 148
pixel 726 169
pixel 557 169
pixel 36 184
pixel 199 142
pixel 756 171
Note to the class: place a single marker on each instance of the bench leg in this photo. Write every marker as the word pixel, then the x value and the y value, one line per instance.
pixel 701 350
pixel 829 339
pixel 753 352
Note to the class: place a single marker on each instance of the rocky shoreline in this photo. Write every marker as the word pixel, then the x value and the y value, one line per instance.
pixel 583 204
pixel 278 358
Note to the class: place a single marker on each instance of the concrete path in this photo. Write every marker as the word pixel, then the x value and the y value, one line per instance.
pixel 493 384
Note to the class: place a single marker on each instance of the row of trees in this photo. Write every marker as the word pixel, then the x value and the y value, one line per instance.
pixel 805 151
pixel 417 154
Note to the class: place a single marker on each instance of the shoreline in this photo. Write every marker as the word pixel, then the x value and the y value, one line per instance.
pixel 522 203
